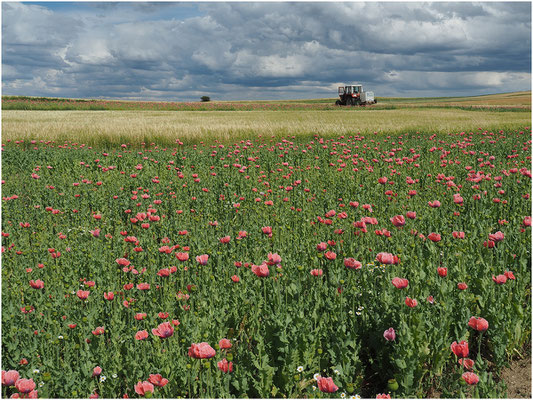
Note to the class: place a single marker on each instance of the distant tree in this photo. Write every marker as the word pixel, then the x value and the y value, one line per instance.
pixel 205 98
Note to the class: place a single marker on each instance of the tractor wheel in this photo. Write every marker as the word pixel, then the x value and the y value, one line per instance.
pixel 338 103
pixel 349 101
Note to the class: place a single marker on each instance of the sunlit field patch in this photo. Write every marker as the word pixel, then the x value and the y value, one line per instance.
pixel 355 265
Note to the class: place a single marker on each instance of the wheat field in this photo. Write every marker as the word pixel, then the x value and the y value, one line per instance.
pixel 164 127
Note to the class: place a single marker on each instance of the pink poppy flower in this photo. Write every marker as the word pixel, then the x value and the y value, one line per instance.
pixel 352 263
pixel 83 294
pixel 260 270
pixel 202 260
pixel 316 272
pixel 141 335
pixel 123 262
pixel 466 362
pixel 38 284
pixel 387 258
pixel 267 230
pixel 458 235
pixel 201 350
pixel 496 237
pixel 411 214
pixel 224 366
pixel 224 344
pixel 434 237
pixel 490 244
pixel 509 275
pixel 164 272
pixel 25 385
pixel 141 388
pixel 326 385
pixel 164 330
pixel 460 349
pixel 99 331
pixel 470 378
pixel 398 220
pixel 274 259
pixel 321 246
pixel 400 283
pixel 479 324
pixel 10 377
pixel 389 334
pixel 97 371
pixel 225 239
pixel 410 302
pixel 158 380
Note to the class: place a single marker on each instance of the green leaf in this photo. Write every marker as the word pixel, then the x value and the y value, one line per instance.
pixel 400 363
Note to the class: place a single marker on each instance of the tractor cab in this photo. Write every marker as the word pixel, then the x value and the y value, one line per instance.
pixel 353 89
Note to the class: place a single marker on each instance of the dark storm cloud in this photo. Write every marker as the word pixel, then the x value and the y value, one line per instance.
pixel 264 50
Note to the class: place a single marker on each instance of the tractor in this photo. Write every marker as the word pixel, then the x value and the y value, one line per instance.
pixel 353 95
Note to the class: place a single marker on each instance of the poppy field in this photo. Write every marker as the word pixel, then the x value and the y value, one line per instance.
pixel 363 265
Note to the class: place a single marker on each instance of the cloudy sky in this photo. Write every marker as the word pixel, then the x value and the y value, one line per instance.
pixel 233 51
